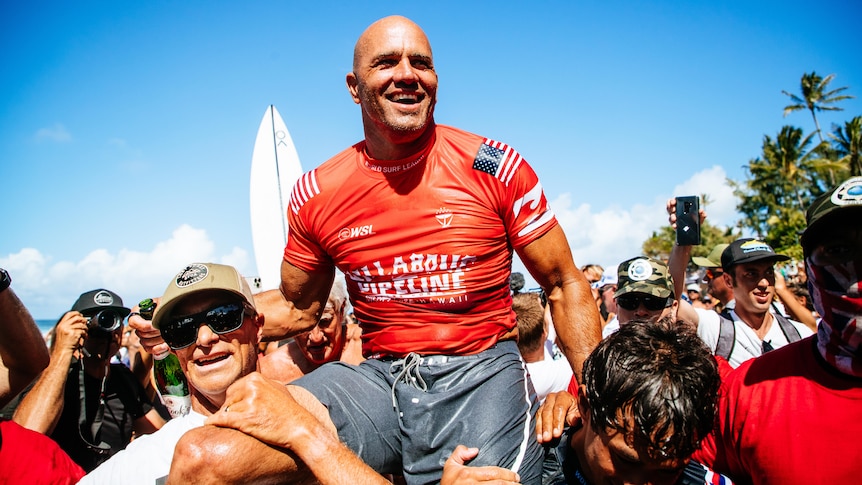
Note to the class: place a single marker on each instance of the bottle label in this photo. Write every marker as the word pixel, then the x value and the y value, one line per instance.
pixel 177 405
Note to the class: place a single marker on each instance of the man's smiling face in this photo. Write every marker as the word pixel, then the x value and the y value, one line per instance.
pixel 394 81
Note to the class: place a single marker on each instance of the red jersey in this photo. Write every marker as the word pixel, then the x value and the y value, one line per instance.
pixel 30 457
pixel 787 417
pixel 425 243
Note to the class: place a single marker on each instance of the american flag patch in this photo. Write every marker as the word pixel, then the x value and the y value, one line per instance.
pixel 497 159
pixel 304 189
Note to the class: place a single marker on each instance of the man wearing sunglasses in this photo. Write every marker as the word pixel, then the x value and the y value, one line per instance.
pixel 90 407
pixel 207 316
pixel 644 291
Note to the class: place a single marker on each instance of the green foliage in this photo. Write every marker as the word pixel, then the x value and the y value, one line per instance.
pixel 847 144
pixel 791 171
pixel 659 245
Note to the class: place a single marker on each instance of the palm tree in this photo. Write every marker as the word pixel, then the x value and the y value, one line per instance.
pixel 815 97
pixel 787 163
pixel 848 145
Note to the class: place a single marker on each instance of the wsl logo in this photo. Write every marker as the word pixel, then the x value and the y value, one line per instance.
pixel 353 232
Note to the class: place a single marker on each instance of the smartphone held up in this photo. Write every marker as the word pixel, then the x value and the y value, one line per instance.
pixel 688 220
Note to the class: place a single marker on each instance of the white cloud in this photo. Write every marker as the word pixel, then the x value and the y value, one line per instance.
pixel 56 133
pixel 49 288
pixel 614 234
pixel 605 236
pixel 721 210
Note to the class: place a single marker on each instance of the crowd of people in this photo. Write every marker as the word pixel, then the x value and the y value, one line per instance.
pixel 438 373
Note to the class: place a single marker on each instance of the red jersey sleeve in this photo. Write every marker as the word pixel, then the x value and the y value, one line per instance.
pixel 526 213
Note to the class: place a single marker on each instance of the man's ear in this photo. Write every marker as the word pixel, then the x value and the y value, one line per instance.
pixel 353 86
pixel 258 320
pixel 583 404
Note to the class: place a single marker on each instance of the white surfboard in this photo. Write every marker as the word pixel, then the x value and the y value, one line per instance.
pixel 275 168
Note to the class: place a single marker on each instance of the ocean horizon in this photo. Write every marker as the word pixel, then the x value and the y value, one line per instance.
pixel 45 325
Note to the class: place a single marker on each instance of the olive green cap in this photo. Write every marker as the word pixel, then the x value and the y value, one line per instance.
pixel 713 259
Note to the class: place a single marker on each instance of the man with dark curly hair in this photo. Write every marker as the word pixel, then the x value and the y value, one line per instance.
pixel 647 400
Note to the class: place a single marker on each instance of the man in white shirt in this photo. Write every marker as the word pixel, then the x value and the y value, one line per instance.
pixel 208 318
pixel 750 328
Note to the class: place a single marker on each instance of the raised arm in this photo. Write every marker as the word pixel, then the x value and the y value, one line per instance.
pixel 23 353
pixel 42 406
pixel 794 308
pixel 573 310
pixel 677 263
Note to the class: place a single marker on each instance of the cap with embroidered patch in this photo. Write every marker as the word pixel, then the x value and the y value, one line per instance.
pixel 198 277
pixel 644 275
pixel 837 206
pixel 93 301
pixel 748 250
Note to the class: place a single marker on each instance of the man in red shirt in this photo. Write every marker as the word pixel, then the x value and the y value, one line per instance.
pixel 794 415
pixel 424 221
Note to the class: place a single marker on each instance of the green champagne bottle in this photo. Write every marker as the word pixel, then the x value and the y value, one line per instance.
pixel 170 380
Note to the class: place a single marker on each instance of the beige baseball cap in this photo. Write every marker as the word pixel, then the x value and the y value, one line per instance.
pixel 198 277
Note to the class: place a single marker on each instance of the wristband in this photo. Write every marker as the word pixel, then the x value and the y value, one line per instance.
pixel 5 279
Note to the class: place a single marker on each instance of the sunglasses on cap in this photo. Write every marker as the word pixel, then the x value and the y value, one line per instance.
pixel 181 332
pixel 652 303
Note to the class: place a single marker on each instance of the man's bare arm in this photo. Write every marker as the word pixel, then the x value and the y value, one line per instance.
pixel 795 309
pixel 296 306
pixel 41 408
pixel 573 310
pixel 677 263
pixel 23 353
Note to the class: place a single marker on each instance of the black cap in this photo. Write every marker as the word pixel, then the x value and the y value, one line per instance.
pixel 94 301
pixel 748 250
pixel 840 206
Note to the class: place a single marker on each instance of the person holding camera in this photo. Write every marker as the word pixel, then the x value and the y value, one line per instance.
pixel 90 407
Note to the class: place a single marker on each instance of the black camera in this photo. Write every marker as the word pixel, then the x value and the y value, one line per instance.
pixel 105 320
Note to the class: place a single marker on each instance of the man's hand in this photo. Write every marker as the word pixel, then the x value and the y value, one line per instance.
pixel 456 472
pixel 151 339
pixel 559 409
pixel 70 333
pixel 257 406
pixel 671 213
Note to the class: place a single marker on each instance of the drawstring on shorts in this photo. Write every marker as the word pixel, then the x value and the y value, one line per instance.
pixel 409 373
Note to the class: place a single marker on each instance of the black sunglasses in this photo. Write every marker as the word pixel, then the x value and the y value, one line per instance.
pixel 713 273
pixel 652 303
pixel 181 332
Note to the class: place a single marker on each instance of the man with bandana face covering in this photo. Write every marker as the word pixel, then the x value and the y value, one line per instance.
pixel 794 415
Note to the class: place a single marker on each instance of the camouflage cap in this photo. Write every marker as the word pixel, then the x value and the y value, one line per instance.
pixel 644 275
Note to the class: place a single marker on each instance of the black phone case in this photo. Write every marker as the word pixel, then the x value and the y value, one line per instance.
pixel 688 220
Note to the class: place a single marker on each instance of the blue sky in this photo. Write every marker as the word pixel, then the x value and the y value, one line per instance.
pixel 127 128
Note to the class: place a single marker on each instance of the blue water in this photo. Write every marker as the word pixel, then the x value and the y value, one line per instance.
pixel 45 325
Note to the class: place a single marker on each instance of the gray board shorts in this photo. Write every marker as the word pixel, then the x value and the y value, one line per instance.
pixel 406 416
